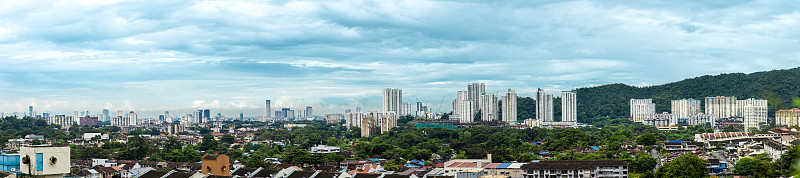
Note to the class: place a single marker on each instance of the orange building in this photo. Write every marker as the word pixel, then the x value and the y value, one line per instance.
pixel 216 164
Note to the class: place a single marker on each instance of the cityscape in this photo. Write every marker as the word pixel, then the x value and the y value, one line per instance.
pixel 399 89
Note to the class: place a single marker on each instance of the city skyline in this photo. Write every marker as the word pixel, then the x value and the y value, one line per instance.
pixel 337 55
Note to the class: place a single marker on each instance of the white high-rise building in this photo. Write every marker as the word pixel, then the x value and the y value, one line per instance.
pixel 788 117
pixel 392 99
pixel 721 106
pixel 642 109
pixel 387 122
pixel 489 107
pixel 544 106
pixel 133 118
pixel 753 111
pixel 120 113
pixel 462 108
pixel 475 90
pixel 510 106
pixel 569 112
pixel 686 107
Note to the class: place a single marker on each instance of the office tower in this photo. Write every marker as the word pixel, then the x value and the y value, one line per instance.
pixel 788 117
pixel 106 116
pixel 44 114
pixel 347 111
pixel 462 108
pixel 76 114
pixel 207 114
pixel 544 106
pixel 721 106
pixel 30 111
pixel 241 116
pixel 686 107
pixel 753 112
pixel 267 110
pixel 309 112
pixel 162 118
pixel 569 112
pixel 510 106
pixel 489 107
pixel 642 109
pixel 475 90
pixel 196 116
pixel 392 98
pixel 83 113
pixel 166 114
pixel 358 109
pixel 285 113
pixel 120 113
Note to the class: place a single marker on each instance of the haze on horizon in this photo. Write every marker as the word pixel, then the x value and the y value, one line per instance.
pixel 230 56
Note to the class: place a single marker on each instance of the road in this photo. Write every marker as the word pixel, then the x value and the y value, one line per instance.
pixel 722 158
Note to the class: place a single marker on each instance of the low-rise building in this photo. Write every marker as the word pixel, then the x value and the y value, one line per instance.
pixel 585 168
pixel 324 149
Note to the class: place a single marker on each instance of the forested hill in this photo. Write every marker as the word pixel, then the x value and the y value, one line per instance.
pixel 780 87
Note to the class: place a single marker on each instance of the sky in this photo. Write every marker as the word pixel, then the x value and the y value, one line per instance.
pixel 230 56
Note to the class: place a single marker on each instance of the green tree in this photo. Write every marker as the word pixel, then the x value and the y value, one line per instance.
pixel 646 139
pixel 208 143
pixel 687 165
pixel 730 128
pixel 643 163
pixel 755 167
pixel 135 149
pixel 227 138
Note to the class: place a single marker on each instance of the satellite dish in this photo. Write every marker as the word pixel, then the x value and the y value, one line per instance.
pixel 53 160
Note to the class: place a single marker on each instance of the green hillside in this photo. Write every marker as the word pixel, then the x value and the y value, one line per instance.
pixel 780 87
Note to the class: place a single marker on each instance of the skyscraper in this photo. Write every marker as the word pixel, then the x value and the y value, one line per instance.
pixel 510 106
pixel 392 99
pixel 568 107
pixel 475 90
pixel 30 111
pixel 198 116
pixel 642 109
pixel 207 114
pixel 106 117
pixel 267 110
pixel 685 107
pixel 489 107
pixel 119 113
pixel 309 112
pixel 544 106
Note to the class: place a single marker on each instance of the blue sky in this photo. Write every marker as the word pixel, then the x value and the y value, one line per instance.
pixel 229 56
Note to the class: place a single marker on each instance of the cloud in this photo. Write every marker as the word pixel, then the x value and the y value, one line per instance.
pixel 232 55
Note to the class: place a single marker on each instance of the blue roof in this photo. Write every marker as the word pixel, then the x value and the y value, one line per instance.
pixel 410 165
pixel 373 159
pixel 503 165
pixel 595 148
pixel 543 153
pixel 675 141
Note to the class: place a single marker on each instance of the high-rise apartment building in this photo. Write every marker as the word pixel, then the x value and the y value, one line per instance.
pixel 510 106
pixel 686 107
pixel 267 110
pixel 544 106
pixel 753 112
pixel 133 118
pixel 788 117
pixel 569 112
pixel 121 113
pixel 489 107
pixel 387 122
pixel 642 109
pixel 392 99
pixel 475 90
pixel 462 108
pixel 721 106
pixel 405 109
